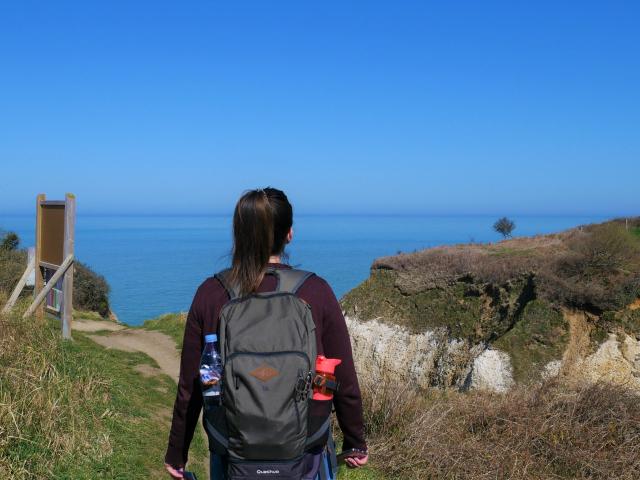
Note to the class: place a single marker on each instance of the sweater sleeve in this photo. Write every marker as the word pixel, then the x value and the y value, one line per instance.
pixel 347 400
pixel 188 403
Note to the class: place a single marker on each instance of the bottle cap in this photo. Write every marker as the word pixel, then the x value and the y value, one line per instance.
pixel 327 365
pixel 210 338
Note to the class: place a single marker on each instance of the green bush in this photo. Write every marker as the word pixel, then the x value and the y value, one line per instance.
pixel 90 290
pixel 600 269
pixel 12 265
pixel 10 241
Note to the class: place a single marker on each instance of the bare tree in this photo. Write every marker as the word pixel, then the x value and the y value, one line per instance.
pixel 504 226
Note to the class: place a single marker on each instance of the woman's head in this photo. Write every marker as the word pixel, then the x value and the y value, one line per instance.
pixel 262 223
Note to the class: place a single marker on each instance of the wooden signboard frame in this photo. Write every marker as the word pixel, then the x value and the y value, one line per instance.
pixel 54 258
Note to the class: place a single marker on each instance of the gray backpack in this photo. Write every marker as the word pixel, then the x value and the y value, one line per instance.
pixel 266 419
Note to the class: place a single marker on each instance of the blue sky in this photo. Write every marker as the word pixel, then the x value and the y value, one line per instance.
pixel 350 107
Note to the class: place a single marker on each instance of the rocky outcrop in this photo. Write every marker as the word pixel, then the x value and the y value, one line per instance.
pixel 423 359
pixel 433 359
pixel 489 316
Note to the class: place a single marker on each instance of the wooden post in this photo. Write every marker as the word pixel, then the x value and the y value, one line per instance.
pixel 67 285
pixel 68 262
pixel 39 281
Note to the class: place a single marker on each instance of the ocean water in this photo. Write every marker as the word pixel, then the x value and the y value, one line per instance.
pixel 155 263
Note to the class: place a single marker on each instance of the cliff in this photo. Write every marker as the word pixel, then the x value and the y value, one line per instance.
pixel 490 315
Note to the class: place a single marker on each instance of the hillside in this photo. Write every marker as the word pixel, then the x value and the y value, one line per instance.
pixel 96 407
pixel 465 315
pixel 73 409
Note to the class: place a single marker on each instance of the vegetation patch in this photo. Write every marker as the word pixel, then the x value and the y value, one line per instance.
pixel 77 410
pixel 90 290
pixel 477 312
pixel 481 292
pixel 12 265
pixel 170 323
pixel 627 321
pixel 540 336
pixel 535 431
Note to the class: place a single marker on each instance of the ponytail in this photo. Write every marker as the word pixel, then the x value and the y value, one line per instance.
pixel 261 221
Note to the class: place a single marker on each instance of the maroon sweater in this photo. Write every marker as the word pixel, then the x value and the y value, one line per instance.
pixel 332 340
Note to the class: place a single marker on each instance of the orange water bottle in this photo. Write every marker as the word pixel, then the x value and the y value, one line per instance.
pixel 325 383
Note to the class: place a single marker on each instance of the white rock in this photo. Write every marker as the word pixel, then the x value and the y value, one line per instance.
pixel 615 362
pixel 492 371
pixel 391 350
pixel 552 369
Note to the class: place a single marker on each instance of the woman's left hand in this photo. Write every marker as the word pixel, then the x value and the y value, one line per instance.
pixel 174 472
pixel 355 462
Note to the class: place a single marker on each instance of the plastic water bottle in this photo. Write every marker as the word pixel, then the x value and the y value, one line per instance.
pixel 211 370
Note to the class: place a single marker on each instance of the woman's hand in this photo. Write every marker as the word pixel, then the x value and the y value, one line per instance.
pixel 355 462
pixel 173 471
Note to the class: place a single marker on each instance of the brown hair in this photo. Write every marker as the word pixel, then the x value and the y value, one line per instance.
pixel 261 221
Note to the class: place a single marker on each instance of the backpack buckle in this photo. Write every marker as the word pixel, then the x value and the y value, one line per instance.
pixel 303 387
pixel 325 383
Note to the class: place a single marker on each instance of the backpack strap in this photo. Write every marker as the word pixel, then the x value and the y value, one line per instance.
pixel 223 278
pixel 289 280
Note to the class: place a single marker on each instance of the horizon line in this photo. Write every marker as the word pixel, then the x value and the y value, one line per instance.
pixel 348 214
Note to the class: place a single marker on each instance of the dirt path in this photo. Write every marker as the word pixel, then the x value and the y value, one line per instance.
pixel 156 345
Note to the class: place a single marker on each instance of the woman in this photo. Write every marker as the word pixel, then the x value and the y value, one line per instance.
pixel 262 226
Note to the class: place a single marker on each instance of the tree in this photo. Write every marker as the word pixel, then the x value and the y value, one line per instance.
pixel 504 226
pixel 10 241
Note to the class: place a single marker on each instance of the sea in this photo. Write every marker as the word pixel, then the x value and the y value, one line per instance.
pixel 154 264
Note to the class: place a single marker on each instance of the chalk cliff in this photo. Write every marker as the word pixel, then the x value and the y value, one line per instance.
pixel 488 316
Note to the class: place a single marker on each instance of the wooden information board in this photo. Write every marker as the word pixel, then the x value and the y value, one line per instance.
pixel 52 224
pixel 55 239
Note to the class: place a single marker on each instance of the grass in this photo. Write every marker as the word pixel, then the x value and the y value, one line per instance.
pixel 537 431
pixel 170 323
pixel 363 473
pixel 86 315
pixel 77 410
pixel 540 336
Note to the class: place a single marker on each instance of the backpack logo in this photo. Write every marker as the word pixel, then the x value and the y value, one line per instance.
pixel 264 372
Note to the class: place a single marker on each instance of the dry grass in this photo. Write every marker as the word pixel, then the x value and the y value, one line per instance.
pixel 543 431
pixel 595 267
pixel 12 265
pixel 76 410
pixel 39 401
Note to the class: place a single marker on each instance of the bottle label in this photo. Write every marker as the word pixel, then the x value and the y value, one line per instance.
pixel 209 378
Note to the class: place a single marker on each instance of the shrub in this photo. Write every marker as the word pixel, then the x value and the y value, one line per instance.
pixel 600 269
pixel 10 241
pixel 12 265
pixel 504 226
pixel 537 431
pixel 12 261
pixel 90 290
